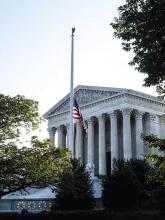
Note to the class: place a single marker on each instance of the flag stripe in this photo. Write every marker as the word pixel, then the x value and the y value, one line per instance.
pixel 78 115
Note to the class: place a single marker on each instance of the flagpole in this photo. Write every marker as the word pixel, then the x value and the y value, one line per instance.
pixel 71 136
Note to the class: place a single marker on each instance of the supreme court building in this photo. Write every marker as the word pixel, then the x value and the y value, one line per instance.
pixel 116 119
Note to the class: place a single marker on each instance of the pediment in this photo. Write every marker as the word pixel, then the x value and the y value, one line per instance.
pixel 84 95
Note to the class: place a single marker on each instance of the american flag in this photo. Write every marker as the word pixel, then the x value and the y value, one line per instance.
pixel 77 115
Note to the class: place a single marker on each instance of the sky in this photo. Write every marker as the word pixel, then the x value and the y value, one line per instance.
pixel 35 49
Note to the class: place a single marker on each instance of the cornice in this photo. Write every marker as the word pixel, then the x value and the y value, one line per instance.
pixel 124 93
pixel 125 99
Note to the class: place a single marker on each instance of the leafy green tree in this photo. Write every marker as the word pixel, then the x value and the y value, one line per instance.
pixel 38 165
pixel 16 114
pixel 75 188
pixel 141 27
pixel 125 188
pixel 157 177
pixel 21 166
pixel 161 90
pixel 157 159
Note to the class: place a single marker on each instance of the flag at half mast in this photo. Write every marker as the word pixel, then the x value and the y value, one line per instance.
pixel 77 115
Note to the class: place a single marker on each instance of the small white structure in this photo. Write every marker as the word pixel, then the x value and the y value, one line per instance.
pixel 31 199
pixel 31 193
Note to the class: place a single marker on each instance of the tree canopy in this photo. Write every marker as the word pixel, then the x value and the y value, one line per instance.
pixel 17 113
pixel 75 188
pixel 22 166
pixel 141 27
pixel 38 165
pixel 157 159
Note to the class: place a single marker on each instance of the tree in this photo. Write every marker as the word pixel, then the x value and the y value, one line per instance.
pixel 17 113
pixel 157 177
pixel 75 188
pixel 141 27
pixel 21 166
pixel 125 188
pixel 157 159
pixel 38 165
pixel 161 90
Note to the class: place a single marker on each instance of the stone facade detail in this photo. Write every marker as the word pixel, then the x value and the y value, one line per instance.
pixel 116 119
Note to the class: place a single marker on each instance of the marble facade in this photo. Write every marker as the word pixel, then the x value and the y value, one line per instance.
pixel 116 119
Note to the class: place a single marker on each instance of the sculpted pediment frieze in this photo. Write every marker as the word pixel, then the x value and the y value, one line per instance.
pixel 84 95
pixel 89 94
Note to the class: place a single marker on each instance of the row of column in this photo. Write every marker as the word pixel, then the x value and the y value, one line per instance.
pixel 127 144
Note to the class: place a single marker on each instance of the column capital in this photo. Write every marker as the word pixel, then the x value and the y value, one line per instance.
pixel 59 128
pixel 126 111
pixel 152 117
pixel 101 117
pixel 139 114
pixel 90 120
pixel 51 130
pixel 113 114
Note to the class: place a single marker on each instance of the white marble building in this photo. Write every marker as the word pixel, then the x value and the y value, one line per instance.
pixel 115 117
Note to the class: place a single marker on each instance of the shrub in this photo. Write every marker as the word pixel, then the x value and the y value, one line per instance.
pixel 75 189
pixel 125 187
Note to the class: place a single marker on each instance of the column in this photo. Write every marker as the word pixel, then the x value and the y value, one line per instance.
pixel 90 147
pixel 67 135
pixel 127 134
pixel 157 126
pixel 102 147
pixel 147 124
pixel 79 141
pixel 52 132
pixel 59 136
pixel 114 137
pixel 155 129
pixel 152 124
pixel 139 131
pixel 146 130
pixel 63 137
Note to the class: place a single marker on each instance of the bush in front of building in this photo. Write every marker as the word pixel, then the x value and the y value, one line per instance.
pixel 126 187
pixel 74 189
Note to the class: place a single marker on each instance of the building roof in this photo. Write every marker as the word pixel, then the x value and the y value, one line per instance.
pixel 90 94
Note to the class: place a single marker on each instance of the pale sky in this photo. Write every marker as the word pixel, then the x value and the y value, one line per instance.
pixel 35 46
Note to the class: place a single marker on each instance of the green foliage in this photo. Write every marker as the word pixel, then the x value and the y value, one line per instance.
pixel 40 164
pixel 161 90
pixel 124 189
pixel 141 27
pixel 25 166
pixel 156 179
pixel 17 113
pixel 158 160
pixel 74 189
